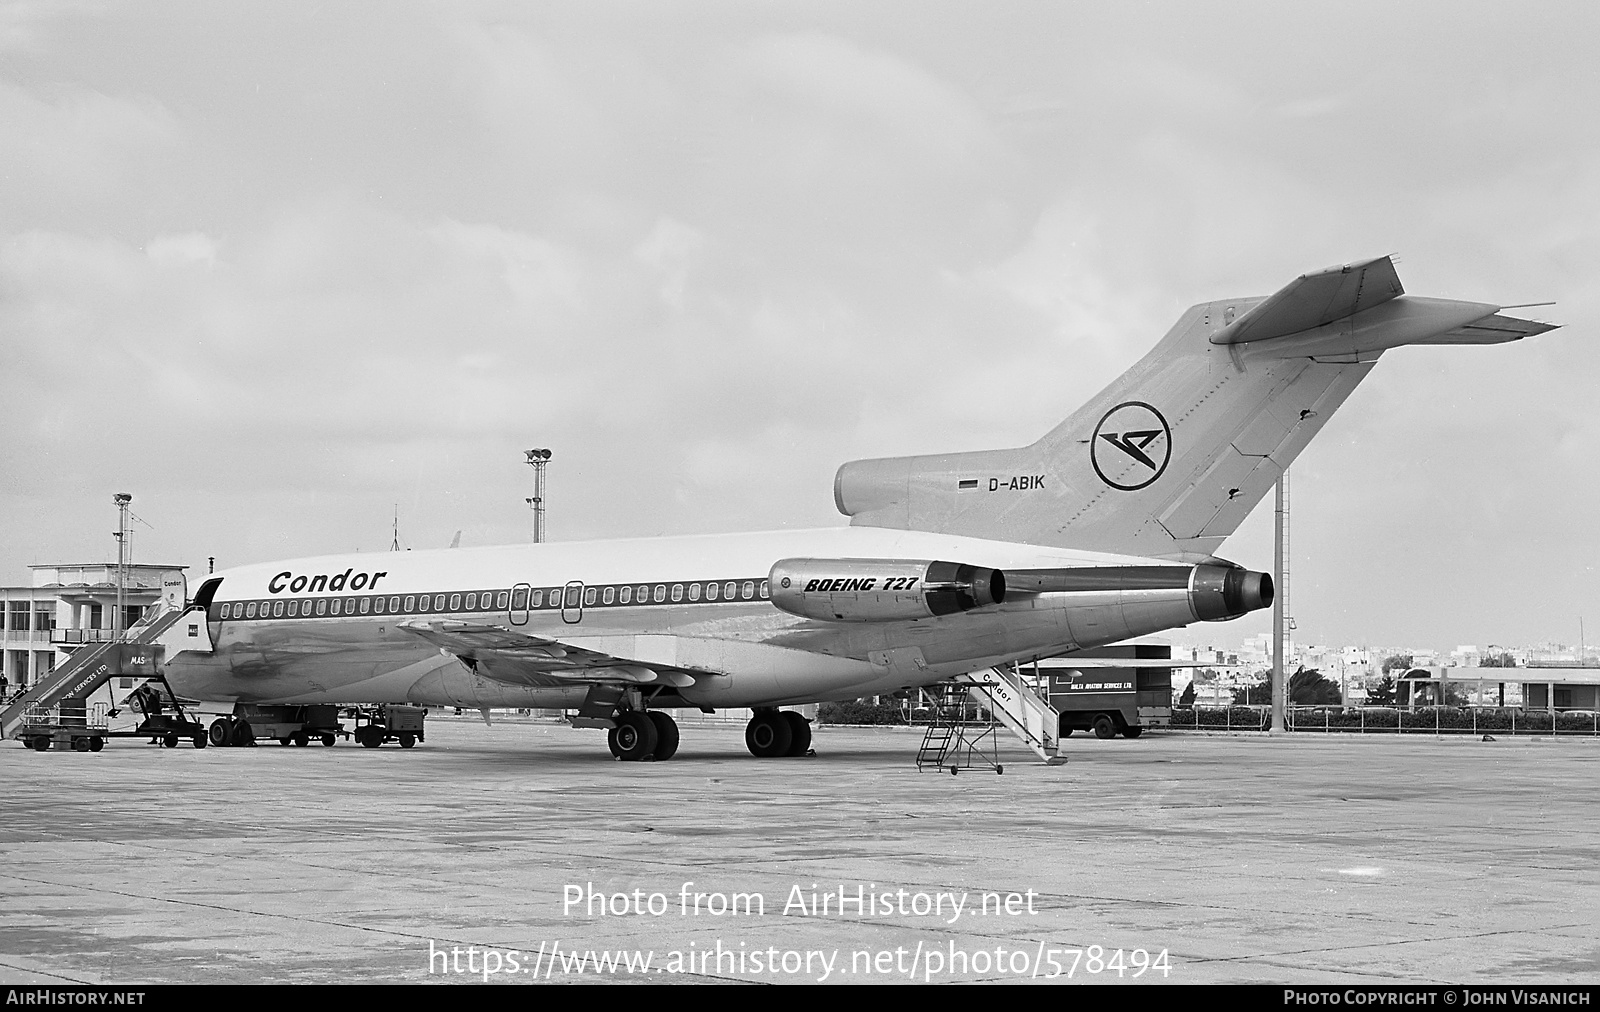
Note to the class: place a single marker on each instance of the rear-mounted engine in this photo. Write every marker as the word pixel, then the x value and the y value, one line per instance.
pixel 882 590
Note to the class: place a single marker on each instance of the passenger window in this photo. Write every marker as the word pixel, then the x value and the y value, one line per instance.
pixel 711 592
pixel 644 594
pixel 538 599
pixel 333 607
pixel 677 592
pixel 322 606
pixel 411 602
pixel 250 610
pixel 277 609
pixel 661 592
pixel 377 606
pixel 350 606
pixel 763 590
pixel 394 605
pixel 519 600
pixel 366 605
pixel 502 599
pixel 294 608
pixel 609 595
pixel 472 602
pixel 694 592
pixel 626 595
pixel 730 591
pixel 455 602
pixel 749 590
pixel 588 596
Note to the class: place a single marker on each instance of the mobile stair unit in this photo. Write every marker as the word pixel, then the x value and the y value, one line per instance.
pixel 955 741
pixel 53 711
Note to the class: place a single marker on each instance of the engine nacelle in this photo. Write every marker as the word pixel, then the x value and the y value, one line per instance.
pixel 881 590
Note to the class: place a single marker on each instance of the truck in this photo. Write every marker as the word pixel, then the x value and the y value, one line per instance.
pixel 1093 692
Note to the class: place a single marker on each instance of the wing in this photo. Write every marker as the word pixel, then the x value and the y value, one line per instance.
pixel 518 658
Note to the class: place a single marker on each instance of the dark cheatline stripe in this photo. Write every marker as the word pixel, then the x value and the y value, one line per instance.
pixel 453 602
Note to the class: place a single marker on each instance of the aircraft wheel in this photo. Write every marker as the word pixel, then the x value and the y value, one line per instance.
pixel 1103 727
pixel 219 731
pixel 666 735
pixel 301 740
pixel 169 741
pixel 768 735
pixel 1132 732
pixel 635 736
pixel 96 743
pixel 327 741
pixel 799 733
pixel 407 739
pixel 80 744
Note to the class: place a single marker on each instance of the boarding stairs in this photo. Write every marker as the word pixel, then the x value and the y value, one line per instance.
pixel 60 695
pixel 953 741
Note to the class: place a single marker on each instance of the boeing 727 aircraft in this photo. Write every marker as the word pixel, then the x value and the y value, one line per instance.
pixel 1104 529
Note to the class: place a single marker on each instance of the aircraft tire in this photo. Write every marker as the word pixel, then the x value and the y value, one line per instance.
pixel 1104 727
pixel 666 735
pixel 219 732
pixel 635 736
pixel 96 743
pixel 767 736
pixel 1132 732
pixel 799 733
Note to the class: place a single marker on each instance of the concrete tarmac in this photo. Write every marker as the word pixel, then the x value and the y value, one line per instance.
pixel 1299 859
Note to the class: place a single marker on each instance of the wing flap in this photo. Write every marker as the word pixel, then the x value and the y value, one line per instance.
pixel 511 656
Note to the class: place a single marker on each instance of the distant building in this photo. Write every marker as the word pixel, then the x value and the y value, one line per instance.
pixel 68 605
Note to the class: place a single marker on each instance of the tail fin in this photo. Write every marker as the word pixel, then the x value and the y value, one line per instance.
pixel 1170 458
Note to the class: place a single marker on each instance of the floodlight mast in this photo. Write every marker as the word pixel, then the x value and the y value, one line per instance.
pixel 537 459
pixel 121 499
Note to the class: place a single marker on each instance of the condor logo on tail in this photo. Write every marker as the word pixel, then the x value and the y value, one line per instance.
pixel 1143 443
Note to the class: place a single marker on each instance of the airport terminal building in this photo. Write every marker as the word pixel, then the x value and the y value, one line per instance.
pixel 68 605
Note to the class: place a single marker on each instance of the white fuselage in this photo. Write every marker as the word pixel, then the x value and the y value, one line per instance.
pixel 329 629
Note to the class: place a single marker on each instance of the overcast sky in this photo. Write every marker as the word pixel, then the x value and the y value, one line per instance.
pixel 279 268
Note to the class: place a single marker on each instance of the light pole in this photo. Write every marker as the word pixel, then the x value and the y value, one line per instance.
pixel 122 499
pixel 537 459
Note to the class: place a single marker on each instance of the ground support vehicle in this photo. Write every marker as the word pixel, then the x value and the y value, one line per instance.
pixel 288 725
pixel 1094 692
pixel 375 725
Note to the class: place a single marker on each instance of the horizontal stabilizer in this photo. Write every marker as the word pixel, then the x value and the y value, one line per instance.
pixel 1314 300
pixel 1495 329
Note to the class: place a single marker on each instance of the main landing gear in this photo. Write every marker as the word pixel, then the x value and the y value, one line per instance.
pixel 773 733
pixel 643 734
